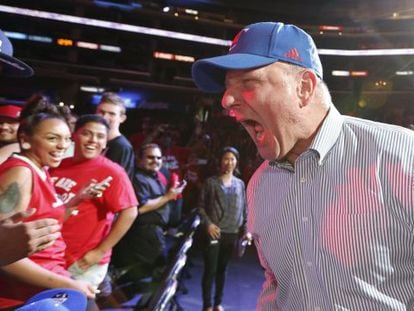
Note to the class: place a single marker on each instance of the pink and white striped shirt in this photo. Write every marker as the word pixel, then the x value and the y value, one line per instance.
pixel 336 230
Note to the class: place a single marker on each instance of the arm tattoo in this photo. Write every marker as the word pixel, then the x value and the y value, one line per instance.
pixel 10 199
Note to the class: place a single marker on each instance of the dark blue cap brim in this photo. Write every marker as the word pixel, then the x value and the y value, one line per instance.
pixel 13 67
pixel 209 74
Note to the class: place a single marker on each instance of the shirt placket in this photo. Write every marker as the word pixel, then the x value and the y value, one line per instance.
pixel 307 231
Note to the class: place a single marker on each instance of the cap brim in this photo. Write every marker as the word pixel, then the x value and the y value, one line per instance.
pixel 13 67
pixel 3 116
pixel 209 74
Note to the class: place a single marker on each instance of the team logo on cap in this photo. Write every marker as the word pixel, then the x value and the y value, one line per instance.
pixel 237 37
pixel 293 54
pixel 60 297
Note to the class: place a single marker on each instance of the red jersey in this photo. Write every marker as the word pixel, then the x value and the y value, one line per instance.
pixel 85 231
pixel 44 199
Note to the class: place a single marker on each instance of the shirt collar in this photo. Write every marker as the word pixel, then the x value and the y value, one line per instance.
pixel 327 134
pixel 324 139
pixel 148 173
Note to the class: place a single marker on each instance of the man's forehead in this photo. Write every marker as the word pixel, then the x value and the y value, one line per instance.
pixel 152 150
pixel 95 127
pixel 108 107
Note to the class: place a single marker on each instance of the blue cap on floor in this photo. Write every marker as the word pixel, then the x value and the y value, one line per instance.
pixel 57 299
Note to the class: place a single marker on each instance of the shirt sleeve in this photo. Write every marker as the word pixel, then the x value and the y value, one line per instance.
pixel 203 202
pixel 142 190
pixel 120 194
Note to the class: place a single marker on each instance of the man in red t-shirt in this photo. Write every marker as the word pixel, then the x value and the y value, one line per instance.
pixel 89 232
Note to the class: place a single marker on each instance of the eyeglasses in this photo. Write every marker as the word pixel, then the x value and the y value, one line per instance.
pixel 151 157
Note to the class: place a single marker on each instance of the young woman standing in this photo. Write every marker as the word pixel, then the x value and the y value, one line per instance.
pixel 222 206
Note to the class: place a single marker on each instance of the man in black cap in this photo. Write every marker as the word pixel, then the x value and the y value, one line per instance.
pixel 19 239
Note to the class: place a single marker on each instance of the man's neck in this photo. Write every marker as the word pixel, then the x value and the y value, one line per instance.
pixel 303 144
pixel 114 134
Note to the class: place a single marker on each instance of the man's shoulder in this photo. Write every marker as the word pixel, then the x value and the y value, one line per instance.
pixel 260 171
pixel 120 141
pixel 104 163
pixel 143 176
pixel 387 134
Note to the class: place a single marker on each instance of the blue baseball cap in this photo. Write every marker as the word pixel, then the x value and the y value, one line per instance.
pixel 57 299
pixel 255 46
pixel 12 67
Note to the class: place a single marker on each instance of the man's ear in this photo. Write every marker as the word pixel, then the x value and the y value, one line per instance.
pixel 123 117
pixel 306 86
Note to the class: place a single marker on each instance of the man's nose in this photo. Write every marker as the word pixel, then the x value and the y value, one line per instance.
pixel 228 100
pixel 93 138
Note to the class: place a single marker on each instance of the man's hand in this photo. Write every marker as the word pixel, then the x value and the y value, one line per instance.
pixel 248 238
pixel 94 189
pixel 175 191
pixel 85 288
pixel 19 240
pixel 91 258
pixel 213 231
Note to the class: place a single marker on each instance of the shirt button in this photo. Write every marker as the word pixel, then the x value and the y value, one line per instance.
pixel 305 219
pixel 309 263
pixel 317 308
pixel 302 179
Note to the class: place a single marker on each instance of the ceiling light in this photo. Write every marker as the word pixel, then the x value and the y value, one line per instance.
pixel 340 73
pixel 110 48
pixel 87 45
pixel 16 35
pixel 40 39
pixel 404 73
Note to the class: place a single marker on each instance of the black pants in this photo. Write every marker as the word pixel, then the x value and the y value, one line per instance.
pixel 216 258
pixel 141 250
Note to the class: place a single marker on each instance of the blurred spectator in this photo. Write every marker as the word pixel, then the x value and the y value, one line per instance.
pixel 9 123
pixel 119 150
pixel 145 135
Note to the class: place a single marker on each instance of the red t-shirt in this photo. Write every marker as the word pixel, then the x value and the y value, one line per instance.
pixel 85 231
pixel 44 199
